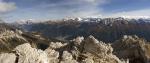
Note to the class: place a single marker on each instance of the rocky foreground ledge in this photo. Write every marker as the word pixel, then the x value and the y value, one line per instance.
pixel 129 49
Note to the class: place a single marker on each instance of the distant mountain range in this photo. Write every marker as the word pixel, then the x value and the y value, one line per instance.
pixel 105 29
pixel 75 41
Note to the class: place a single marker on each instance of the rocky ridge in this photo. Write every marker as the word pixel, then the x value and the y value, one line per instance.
pixel 128 49
pixel 136 49
pixel 89 50
pixel 11 37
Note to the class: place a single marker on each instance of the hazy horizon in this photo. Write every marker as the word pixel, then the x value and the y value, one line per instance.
pixel 12 10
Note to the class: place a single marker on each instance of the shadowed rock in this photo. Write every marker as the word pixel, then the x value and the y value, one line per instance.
pixel 137 50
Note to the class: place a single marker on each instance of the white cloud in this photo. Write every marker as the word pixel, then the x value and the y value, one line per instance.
pixel 6 6
pixel 74 8
pixel 87 8
pixel 90 8
pixel 95 1
pixel 58 10
pixel 144 13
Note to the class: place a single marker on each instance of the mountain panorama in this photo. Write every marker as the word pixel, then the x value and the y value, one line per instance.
pixel 74 31
pixel 78 40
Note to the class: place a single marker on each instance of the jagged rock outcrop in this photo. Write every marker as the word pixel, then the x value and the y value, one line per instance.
pixel 136 49
pixel 11 34
pixel 67 58
pixel 52 55
pixel 27 54
pixel 79 50
pixel 7 58
pixel 10 39
pixel 99 52
pixel 56 45
pixel 78 40
pixel 82 51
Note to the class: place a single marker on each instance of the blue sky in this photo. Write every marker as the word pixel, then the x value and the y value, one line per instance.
pixel 13 10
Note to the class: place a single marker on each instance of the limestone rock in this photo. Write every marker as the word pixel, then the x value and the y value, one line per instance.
pixel 7 58
pixel 10 34
pixel 92 45
pixel 27 54
pixel 136 49
pixel 52 55
pixel 55 45
pixel 67 58
pixel 99 51
pixel 78 40
pixel 77 46
pixel 78 51
pixel 9 40
pixel 87 60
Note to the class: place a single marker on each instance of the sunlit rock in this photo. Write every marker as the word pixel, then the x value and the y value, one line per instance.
pixel 7 58
pixel 27 54
pixel 100 52
pixel 67 58
pixel 52 55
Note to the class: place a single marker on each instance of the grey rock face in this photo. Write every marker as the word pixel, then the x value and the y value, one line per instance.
pixel 7 58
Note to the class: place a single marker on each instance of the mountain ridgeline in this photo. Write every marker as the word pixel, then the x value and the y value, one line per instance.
pixel 28 44
pixel 106 29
